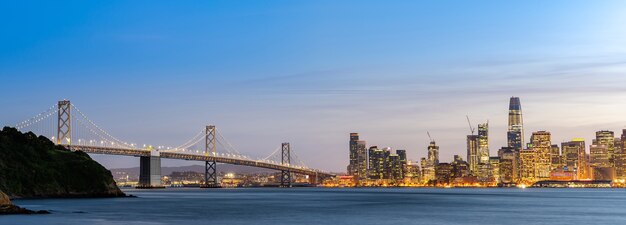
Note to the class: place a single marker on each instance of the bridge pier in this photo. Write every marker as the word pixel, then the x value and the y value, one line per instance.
pixel 150 171
pixel 313 180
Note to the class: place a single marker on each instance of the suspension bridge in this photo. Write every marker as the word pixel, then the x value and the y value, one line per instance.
pixel 72 129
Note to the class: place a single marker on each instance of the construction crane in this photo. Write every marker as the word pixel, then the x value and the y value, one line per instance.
pixel 470 124
pixel 429 137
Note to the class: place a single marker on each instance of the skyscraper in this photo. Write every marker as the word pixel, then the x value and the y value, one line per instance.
pixel 483 143
pixel 575 158
pixel 361 171
pixel 527 169
pixel 377 162
pixel 394 167
pixel 541 146
pixel 358 157
pixel 599 156
pixel 508 165
pixel 606 138
pixel 472 153
pixel 428 170
pixel 403 161
pixel 515 134
pixel 555 158
pixel 433 153
pixel 620 156
pixel 352 166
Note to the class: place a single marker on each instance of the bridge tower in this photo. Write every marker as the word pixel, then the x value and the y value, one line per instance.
pixel 285 177
pixel 64 123
pixel 210 149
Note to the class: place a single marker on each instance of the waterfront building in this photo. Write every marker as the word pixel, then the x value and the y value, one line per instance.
pixel 494 165
pixel 601 160
pixel 562 175
pixel 599 156
pixel 541 146
pixel 555 158
pixel 508 165
pixel 394 168
pixel 603 173
pixel 620 156
pixel 527 166
pixel 620 165
pixel 403 160
pixel 361 172
pixel 515 133
pixel 472 153
pixel 460 168
pixel 428 170
pixel 606 138
pixel 413 174
pixel 443 173
pixel 377 161
pixel 383 164
pixel 575 158
pixel 485 173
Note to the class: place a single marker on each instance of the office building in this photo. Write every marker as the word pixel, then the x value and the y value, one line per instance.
pixel 472 153
pixel 515 133
pixel 541 145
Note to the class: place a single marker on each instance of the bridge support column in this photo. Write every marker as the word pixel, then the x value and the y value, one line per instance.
pixel 210 167
pixel 150 171
pixel 285 177
pixel 313 180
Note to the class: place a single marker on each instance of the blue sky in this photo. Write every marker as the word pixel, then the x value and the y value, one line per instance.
pixel 310 72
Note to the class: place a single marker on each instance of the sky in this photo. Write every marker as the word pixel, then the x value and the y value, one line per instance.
pixel 311 72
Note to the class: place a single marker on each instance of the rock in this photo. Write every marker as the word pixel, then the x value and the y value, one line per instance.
pixel 4 199
pixel 12 209
pixel 6 207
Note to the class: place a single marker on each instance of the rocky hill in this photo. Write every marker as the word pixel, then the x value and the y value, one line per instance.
pixel 34 167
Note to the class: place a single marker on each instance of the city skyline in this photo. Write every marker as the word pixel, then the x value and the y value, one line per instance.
pixel 540 162
pixel 311 74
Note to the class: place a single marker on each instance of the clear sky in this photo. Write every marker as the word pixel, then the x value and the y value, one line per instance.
pixel 310 72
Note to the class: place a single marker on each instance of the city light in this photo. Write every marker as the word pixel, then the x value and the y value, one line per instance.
pixel 538 163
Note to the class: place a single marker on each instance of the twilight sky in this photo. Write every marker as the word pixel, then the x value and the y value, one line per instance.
pixel 310 72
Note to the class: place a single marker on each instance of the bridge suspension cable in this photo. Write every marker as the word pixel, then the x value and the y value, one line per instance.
pixel 110 137
pixel 228 144
pixel 191 142
pixel 273 154
pixel 89 136
pixel 37 118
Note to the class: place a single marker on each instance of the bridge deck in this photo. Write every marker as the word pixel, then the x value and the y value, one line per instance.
pixel 183 156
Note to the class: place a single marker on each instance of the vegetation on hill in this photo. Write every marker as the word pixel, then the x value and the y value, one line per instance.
pixel 34 167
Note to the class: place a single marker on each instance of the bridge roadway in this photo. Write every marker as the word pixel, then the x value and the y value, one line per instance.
pixel 174 155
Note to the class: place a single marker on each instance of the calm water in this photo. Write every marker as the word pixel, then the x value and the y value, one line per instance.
pixel 337 206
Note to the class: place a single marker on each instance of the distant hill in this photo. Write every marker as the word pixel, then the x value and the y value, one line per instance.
pixel 34 167
pixel 133 172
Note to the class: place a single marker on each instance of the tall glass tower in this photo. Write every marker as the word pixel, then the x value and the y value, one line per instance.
pixel 515 134
pixel 352 167
pixel 433 153
pixel 483 143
